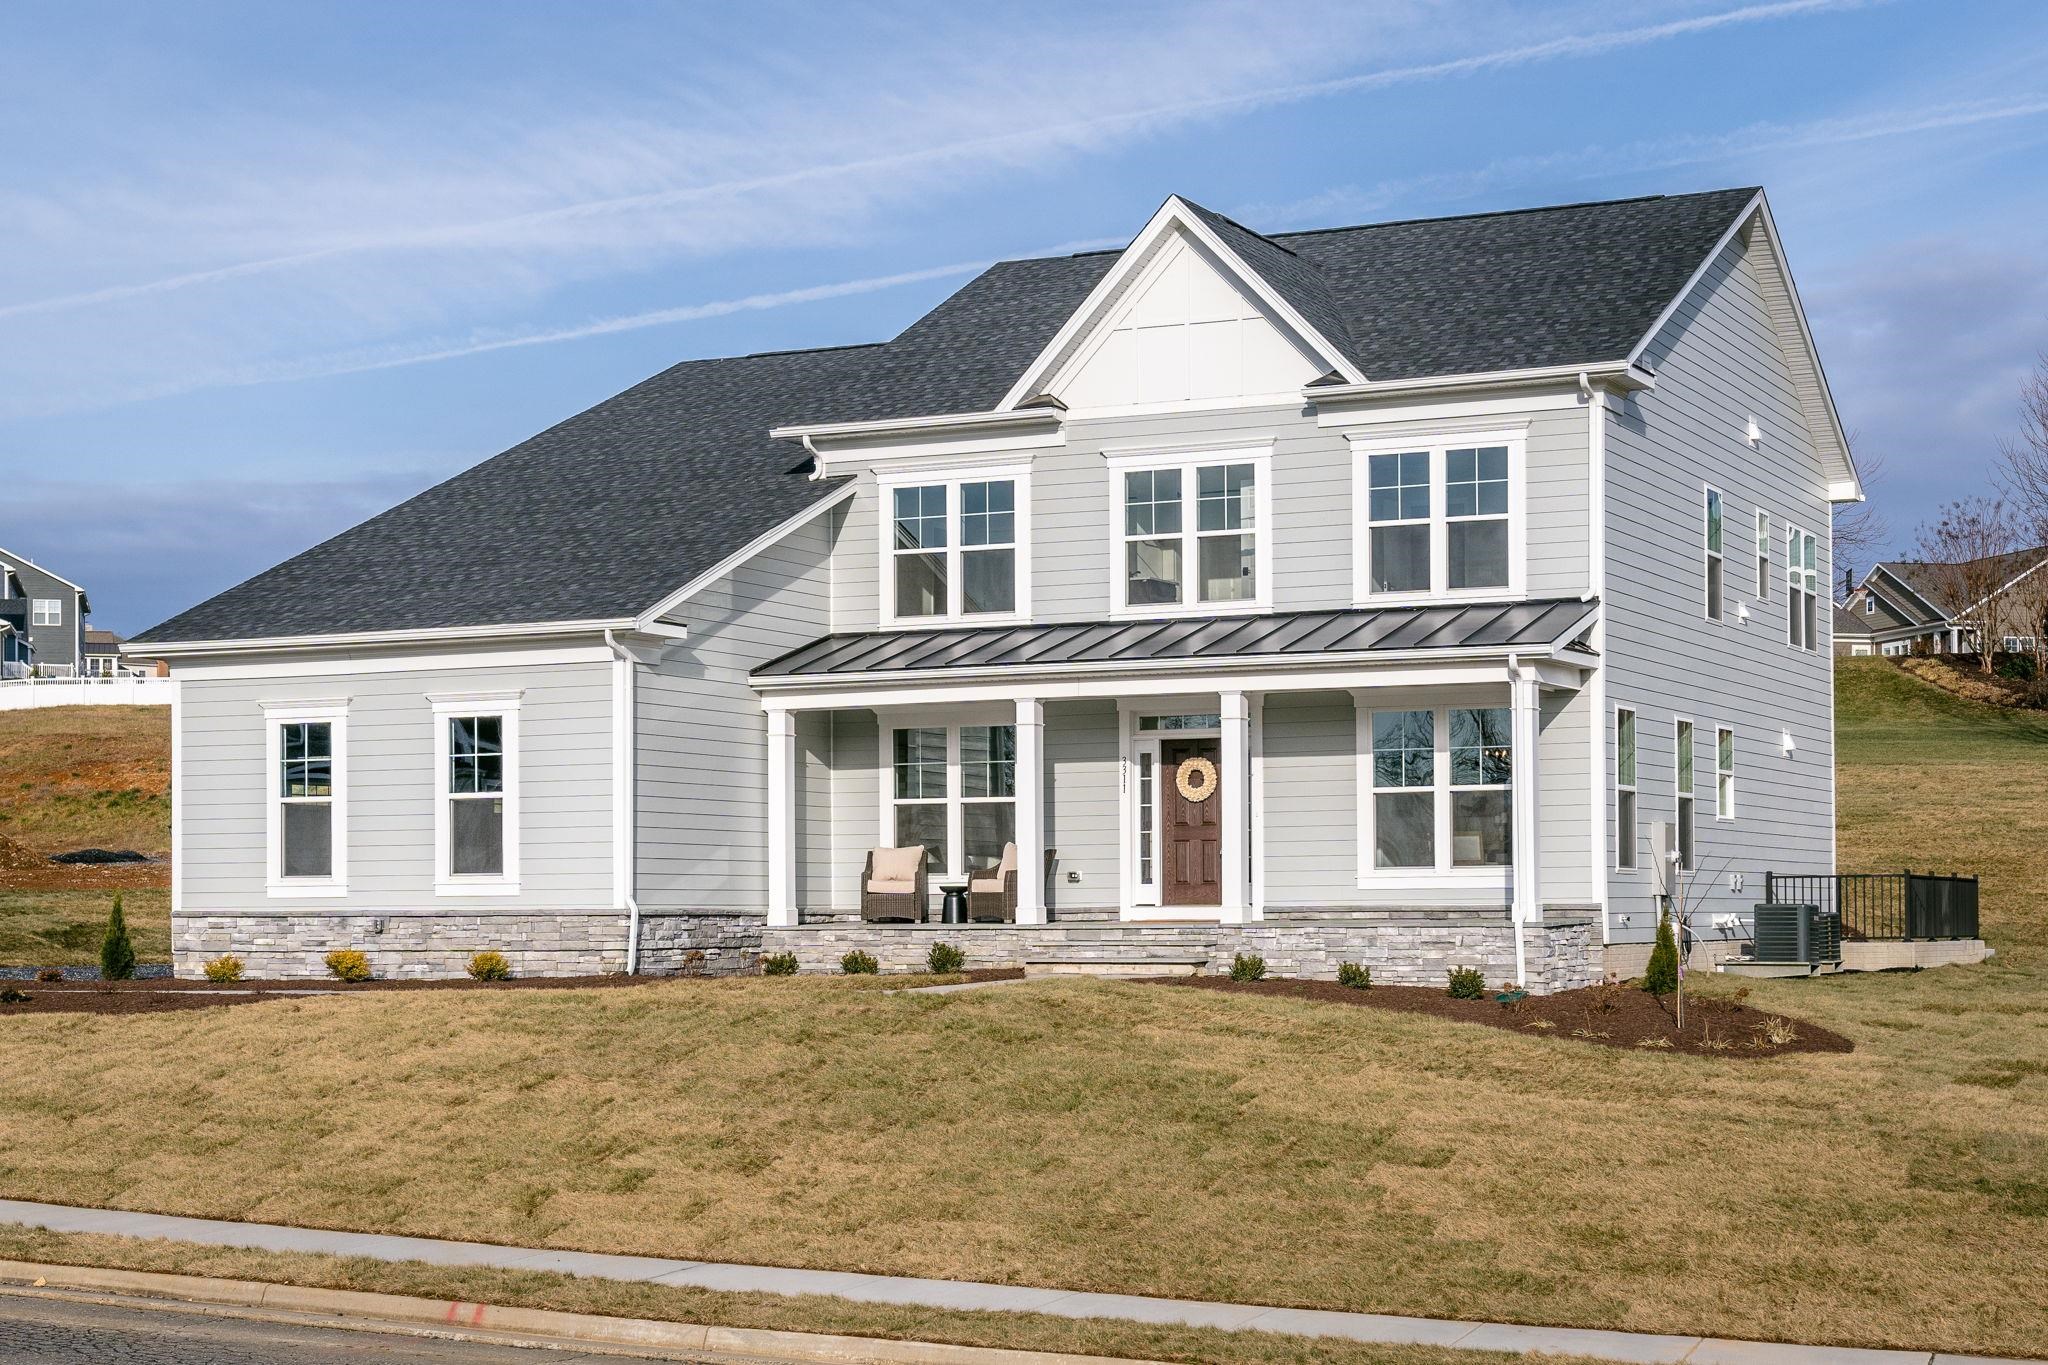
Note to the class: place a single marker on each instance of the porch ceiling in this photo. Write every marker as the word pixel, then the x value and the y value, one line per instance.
pixel 1281 637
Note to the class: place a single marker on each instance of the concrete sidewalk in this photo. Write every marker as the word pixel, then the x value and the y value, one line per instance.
pixel 968 1295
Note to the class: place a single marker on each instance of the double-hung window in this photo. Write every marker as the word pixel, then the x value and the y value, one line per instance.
pixel 1802 582
pixel 1714 567
pixel 1187 530
pixel 955 548
pixel 1438 790
pixel 1685 795
pixel 476 794
pixel 954 791
pixel 1763 555
pixel 1625 832
pixel 1437 517
pixel 1724 773
pixel 47 611
pixel 306 810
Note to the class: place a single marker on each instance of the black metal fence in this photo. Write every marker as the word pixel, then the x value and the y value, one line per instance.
pixel 1884 905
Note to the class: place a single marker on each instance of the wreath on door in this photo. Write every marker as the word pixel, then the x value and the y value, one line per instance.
pixel 1196 779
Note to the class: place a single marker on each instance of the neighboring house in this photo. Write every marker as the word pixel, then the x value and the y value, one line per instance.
pixel 14 652
pixel 1905 605
pixel 106 656
pixel 1377 594
pixel 1853 632
pixel 45 610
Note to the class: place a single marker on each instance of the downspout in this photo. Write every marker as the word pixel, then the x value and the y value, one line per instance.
pixel 1521 773
pixel 1596 588
pixel 625 861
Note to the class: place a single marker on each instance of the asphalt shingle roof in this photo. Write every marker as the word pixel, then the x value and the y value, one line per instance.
pixel 603 515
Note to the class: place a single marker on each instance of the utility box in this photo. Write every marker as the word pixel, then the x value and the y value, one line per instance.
pixel 1797 934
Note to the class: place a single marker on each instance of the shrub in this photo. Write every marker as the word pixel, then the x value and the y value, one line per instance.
pixel 945 959
pixel 224 969
pixel 1247 967
pixel 490 965
pixel 50 974
pixel 2035 694
pixel 858 963
pixel 348 965
pixel 2018 667
pixel 779 964
pixel 1661 976
pixel 1356 975
pixel 14 995
pixel 1467 983
pixel 117 954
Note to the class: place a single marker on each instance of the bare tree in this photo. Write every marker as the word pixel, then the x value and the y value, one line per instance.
pixel 1967 558
pixel 1860 530
pixel 2023 460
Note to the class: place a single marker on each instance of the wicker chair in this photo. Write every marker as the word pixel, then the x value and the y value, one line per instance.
pixel 894 898
pixel 992 893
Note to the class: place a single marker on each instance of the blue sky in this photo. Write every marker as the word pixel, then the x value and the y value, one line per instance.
pixel 266 269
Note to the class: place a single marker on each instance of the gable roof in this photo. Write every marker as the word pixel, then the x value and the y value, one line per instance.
pixel 603 516
pixel 1850 624
pixel 15 561
pixel 1927 600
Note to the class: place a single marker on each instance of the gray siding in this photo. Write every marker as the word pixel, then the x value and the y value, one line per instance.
pixel 1083 803
pixel 63 644
pixel 564 764
pixel 1718 361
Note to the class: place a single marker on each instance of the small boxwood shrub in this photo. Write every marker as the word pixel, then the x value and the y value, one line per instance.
pixel 14 995
pixel 50 974
pixel 490 965
pixel 1660 977
pixel 779 964
pixel 348 965
pixel 225 969
pixel 1467 983
pixel 1247 967
pixel 945 959
pixel 117 953
pixel 1356 975
pixel 858 963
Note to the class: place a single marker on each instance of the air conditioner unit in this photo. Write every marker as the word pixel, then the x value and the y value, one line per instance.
pixel 1797 934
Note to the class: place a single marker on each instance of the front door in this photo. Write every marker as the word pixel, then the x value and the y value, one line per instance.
pixel 1192 827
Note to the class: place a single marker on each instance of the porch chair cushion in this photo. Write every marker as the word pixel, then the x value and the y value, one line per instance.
pixel 990 879
pixel 895 870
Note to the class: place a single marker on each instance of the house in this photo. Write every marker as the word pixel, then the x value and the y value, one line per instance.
pixel 106 657
pixel 47 615
pixel 1854 634
pixel 1389 594
pixel 1909 606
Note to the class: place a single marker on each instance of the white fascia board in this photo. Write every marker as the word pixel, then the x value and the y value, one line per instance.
pixel 1174 213
pixel 374 638
pixel 650 622
pixel 906 426
pixel 1621 374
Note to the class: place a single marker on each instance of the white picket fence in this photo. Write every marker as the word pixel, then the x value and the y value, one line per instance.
pixel 27 694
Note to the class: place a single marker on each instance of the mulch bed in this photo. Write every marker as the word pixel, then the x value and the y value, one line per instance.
pixel 1623 1016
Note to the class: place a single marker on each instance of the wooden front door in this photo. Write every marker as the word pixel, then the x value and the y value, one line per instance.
pixel 1192 827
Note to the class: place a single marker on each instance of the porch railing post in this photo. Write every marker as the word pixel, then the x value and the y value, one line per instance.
pixel 781 817
pixel 1030 811
pixel 1236 808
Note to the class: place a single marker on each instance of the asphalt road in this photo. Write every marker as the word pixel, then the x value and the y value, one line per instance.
pixel 62 1331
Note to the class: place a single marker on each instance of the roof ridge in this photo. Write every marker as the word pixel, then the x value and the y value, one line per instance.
pixel 1512 213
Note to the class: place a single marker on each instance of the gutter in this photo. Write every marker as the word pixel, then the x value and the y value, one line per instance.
pixel 1622 374
pixel 364 639
pixel 952 421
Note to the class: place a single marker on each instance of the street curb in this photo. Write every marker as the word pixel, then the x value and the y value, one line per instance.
pixel 456 1317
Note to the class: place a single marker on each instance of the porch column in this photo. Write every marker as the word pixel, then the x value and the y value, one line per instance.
pixel 781 817
pixel 1526 826
pixel 1030 811
pixel 1236 811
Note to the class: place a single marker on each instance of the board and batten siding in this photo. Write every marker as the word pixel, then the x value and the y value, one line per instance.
pixel 565 787
pixel 1719 360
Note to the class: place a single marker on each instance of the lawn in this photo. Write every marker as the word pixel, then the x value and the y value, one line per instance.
pixel 1128 1137
pixel 63 928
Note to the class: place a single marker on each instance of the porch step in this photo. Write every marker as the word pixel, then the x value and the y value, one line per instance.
pixel 1071 965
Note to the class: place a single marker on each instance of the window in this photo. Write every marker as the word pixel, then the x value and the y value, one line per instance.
pixel 1802 581
pixel 1763 555
pixel 1685 795
pixel 1625 835
pixel 1869 605
pixel 1438 517
pixel 306 822
pixel 954 788
pixel 47 611
pixel 1724 774
pixel 1192 515
pixel 954 549
pixel 1714 569
pixel 476 807
pixel 1441 789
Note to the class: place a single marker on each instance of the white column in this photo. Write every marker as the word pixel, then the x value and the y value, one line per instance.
pixel 1235 812
pixel 1030 811
pixel 1527 825
pixel 781 817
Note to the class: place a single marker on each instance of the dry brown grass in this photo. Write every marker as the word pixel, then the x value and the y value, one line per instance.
pixel 1123 1137
pixel 87 777
pixel 63 928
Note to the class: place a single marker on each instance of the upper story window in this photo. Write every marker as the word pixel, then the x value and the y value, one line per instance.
pixel 47 611
pixel 1763 555
pixel 956 549
pixel 1724 773
pixel 1187 532
pixel 1438 517
pixel 1802 582
pixel 1714 566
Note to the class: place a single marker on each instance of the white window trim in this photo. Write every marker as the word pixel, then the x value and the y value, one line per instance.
pixel 1708 554
pixel 1762 554
pixel 1436 444
pixel 1728 772
pixel 1443 875
pixel 446 706
pixel 1187 461
pixel 1634 785
pixel 950 479
pixel 1679 739
pixel 334 714
pixel 36 616
pixel 1797 583
pixel 956 800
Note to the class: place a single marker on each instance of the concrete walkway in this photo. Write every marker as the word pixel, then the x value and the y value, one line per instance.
pixel 966 1294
